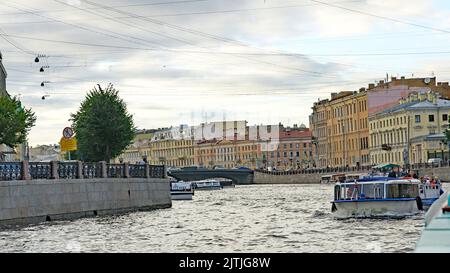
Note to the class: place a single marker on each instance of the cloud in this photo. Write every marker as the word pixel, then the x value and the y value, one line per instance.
pixel 190 70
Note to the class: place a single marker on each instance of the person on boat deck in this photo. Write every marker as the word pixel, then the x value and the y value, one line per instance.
pixel 392 174
pixel 438 181
pixel 433 182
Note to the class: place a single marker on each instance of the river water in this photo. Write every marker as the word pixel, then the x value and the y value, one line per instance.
pixel 255 218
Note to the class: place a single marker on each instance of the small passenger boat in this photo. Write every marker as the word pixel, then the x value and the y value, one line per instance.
pixel 208 184
pixel 181 190
pixel 377 196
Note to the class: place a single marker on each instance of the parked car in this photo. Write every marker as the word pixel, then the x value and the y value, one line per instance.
pixel 435 161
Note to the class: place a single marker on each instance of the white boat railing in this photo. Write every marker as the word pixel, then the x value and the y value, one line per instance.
pixel 436 208
pixel 431 191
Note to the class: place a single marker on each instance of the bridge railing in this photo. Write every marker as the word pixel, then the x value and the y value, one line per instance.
pixel 77 170
pixel 317 170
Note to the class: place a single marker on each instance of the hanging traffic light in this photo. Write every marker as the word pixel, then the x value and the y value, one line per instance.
pixel 36 60
pixel 42 69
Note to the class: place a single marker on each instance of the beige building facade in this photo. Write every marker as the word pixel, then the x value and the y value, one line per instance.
pixel 412 131
pixel 295 150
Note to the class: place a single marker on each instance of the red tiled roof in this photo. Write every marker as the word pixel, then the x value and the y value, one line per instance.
pixel 295 134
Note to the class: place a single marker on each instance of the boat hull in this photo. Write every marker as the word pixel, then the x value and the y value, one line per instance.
pixel 181 195
pixel 379 208
pixel 208 188
pixel 428 202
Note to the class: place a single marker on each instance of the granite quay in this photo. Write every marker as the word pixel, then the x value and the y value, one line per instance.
pixel 33 192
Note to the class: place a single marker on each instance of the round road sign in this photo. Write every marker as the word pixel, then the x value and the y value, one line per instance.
pixel 68 132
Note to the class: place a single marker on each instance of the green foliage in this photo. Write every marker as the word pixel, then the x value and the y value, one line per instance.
pixel 15 121
pixel 74 155
pixel 103 126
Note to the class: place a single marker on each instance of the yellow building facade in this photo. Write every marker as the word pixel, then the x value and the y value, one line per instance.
pixel 138 150
pixel 172 152
pixel 340 130
pixel 228 153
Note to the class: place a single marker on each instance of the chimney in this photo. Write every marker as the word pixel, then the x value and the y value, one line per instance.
pixel 402 77
pixel 362 89
pixel 371 85
pixel 393 78
pixel 333 95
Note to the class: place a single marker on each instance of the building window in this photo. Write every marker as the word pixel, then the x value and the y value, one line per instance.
pixel 444 117
pixel 417 118
pixel 431 118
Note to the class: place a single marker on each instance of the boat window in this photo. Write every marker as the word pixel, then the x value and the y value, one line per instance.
pixel 402 191
pixel 337 192
pixel 349 191
pixel 374 191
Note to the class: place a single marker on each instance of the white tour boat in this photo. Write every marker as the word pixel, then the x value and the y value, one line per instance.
pixel 430 193
pixel 181 190
pixel 377 197
pixel 208 184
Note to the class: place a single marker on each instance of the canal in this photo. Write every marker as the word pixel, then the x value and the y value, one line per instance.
pixel 255 218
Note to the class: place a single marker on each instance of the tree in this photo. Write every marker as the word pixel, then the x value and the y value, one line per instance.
pixel 15 121
pixel 103 126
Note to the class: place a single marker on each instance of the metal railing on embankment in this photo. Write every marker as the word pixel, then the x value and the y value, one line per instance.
pixel 77 170
pixel 317 170
pixel 366 168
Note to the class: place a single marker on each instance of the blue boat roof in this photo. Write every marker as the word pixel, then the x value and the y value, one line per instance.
pixel 372 179
pixel 376 178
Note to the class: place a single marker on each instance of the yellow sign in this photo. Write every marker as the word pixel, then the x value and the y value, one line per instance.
pixel 68 144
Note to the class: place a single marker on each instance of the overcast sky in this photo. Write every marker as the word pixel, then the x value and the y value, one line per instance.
pixel 185 62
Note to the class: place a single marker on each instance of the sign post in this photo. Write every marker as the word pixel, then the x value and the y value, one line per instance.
pixel 68 142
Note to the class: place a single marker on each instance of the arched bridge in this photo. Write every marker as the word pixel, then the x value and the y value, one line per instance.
pixel 238 176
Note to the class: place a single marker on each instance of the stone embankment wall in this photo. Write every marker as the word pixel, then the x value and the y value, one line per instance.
pixel 265 178
pixel 442 172
pixel 32 201
pixel 314 178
